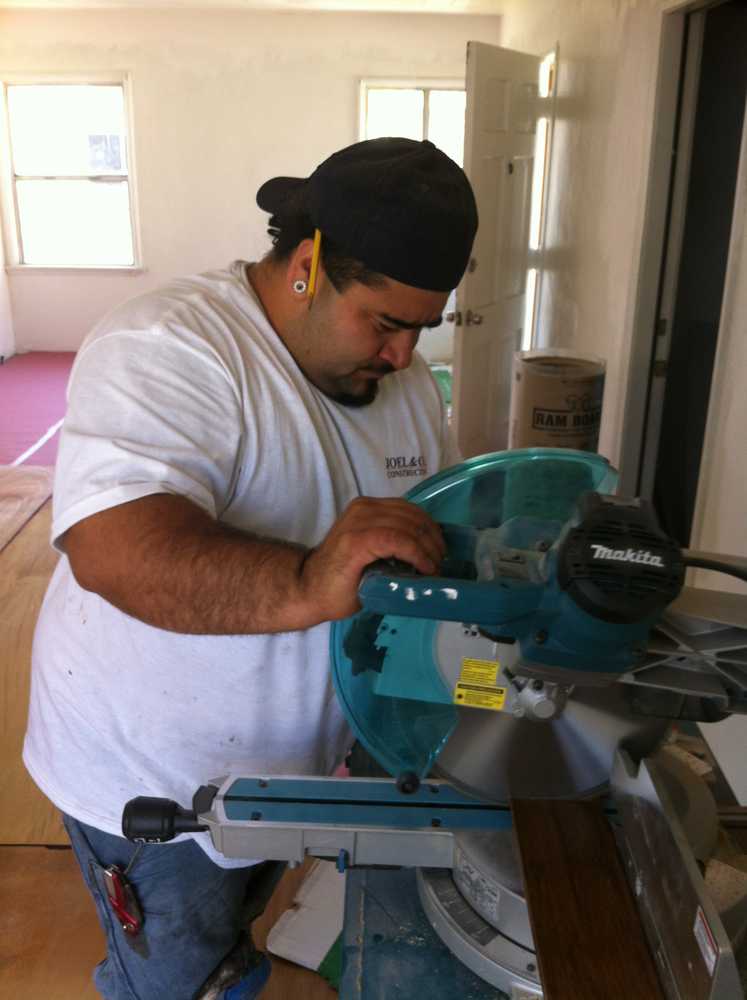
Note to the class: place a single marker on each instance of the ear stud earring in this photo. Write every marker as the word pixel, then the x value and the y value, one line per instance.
pixel 300 286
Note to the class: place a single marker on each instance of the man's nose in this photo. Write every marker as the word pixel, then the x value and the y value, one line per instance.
pixel 399 347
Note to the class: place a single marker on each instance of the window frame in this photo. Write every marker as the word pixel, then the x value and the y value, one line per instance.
pixel 8 192
pixel 426 84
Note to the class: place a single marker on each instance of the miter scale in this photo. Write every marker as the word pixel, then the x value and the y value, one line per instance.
pixel 547 660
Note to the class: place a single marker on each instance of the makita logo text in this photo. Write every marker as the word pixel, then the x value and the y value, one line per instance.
pixel 628 556
pixel 401 465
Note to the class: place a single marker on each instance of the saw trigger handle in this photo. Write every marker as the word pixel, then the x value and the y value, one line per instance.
pixel 389 567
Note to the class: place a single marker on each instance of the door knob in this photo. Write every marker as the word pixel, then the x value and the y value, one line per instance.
pixel 473 319
pixel 454 317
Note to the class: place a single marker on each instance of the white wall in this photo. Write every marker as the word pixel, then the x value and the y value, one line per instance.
pixel 222 101
pixel 602 149
pixel 606 86
pixel 720 523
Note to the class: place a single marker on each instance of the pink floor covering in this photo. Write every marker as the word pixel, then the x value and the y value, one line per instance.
pixel 32 400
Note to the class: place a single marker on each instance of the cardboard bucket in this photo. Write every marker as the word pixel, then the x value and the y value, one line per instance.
pixel 556 400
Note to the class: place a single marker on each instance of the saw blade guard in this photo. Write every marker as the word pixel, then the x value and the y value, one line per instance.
pixel 404 715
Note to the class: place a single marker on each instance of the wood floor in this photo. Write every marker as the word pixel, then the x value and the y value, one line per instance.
pixel 22 493
pixel 50 939
pixel 26 564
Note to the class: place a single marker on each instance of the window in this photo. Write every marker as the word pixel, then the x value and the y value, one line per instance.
pixel 421 110
pixel 538 212
pixel 69 172
pixel 434 112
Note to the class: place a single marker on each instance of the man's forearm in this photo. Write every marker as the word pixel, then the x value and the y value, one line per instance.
pixel 163 560
pixel 168 564
pixel 224 583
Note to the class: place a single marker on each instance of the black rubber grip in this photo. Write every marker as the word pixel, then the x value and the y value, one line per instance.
pixel 155 821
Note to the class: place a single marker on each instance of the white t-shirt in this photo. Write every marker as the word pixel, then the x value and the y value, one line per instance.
pixel 190 391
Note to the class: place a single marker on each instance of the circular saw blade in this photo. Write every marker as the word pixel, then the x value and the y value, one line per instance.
pixel 495 756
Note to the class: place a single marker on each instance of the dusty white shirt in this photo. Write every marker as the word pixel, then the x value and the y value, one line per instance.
pixel 190 391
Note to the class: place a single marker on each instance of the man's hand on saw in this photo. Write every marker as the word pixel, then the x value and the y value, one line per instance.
pixel 368 530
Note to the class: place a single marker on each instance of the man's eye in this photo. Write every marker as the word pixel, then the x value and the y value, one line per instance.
pixel 383 328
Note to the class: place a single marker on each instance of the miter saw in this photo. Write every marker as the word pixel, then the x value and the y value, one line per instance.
pixel 549 659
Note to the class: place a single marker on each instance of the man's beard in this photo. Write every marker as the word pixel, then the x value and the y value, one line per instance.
pixel 364 398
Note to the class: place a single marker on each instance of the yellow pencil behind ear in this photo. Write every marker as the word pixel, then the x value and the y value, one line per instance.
pixel 314 264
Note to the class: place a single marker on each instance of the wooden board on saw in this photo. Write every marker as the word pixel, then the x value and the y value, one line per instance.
pixel 26 565
pixel 23 489
pixel 587 931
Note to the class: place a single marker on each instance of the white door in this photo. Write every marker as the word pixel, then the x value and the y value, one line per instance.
pixel 501 121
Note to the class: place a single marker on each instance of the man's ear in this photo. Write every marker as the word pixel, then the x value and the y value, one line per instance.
pixel 299 265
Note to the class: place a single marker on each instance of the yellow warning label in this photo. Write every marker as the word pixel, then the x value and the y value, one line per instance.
pixel 474 696
pixel 482 672
pixel 477 687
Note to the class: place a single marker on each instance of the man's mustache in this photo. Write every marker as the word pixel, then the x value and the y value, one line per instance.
pixel 382 368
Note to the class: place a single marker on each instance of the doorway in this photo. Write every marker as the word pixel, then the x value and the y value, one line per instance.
pixel 708 121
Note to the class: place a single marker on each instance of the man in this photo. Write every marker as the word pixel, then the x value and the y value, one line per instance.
pixel 223 441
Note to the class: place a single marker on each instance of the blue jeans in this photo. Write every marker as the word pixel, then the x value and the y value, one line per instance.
pixel 195 915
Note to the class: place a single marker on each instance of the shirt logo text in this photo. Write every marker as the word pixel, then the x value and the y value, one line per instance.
pixel 401 465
